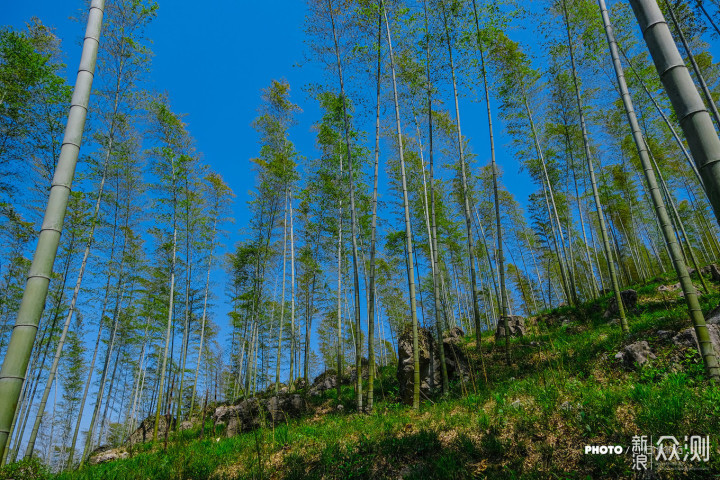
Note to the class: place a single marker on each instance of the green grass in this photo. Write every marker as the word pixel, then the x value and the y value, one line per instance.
pixel 530 420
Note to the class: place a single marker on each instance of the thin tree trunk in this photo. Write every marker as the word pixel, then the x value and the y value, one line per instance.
pixel 689 107
pixel 408 231
pixel 553 213
pixel 373 225
pixel 171 303
pixel 282 301
pixel 292 293
pixel 338 379
pixel 466 203
pixel 20 347
pixel 204 315
pixel 603 231
pixel 701 330
pixel 679 221
pixel 431 213
pixel 353 220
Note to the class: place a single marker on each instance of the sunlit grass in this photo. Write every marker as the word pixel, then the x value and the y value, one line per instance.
pixel 530 419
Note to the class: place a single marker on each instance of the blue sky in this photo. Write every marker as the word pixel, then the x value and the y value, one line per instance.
pixel 214 62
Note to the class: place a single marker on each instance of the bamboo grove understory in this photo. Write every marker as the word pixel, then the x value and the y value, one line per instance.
pixel 588 161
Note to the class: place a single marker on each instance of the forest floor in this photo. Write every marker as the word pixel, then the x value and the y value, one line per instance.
pixel 564 390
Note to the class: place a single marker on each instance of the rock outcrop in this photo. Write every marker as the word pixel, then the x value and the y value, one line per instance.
pixel 713 317
pixel 688 339
pixel 634 355
pixel 714 273
pixel 668 288
pixel 430 373
pixel 629 299
pixel 252 413
pixel 144 433
pixel 323 382
pixel 455 359
pixel 106 454
pixel 429 376
pixel 516 327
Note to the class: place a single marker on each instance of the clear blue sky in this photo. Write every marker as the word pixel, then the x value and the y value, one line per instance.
pixel 214 62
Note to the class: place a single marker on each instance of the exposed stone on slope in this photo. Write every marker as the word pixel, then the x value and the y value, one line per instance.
pixel 714 273
pixel 634 355
pixel 455 359
pixel 252 413
pixel 713 317
pixel 688 339
pixel 144 433
pixel 669 288
pixel 106 454
pixel 429 377
pixel 629 298
pixel 323 382
pixel 430 370
pixel 516 327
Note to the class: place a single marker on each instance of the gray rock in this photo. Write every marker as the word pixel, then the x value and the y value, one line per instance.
pixel 284 407
pixel 714 273
pixel 323 382
pixel 669 288
pixel 429 376
pixel 242 417
pixel 569 407
pixel 145 432
pixel 300 384
pixel 713 317
pixel 456 361
pixel 687 338
pixel 430 370
pixel 186 425
pixel 665 334
pixel 253 413
pixel 706 270
pixel 629 299
pixel 454 335
pixel 635 354
pixel 516 327
pixel 106 454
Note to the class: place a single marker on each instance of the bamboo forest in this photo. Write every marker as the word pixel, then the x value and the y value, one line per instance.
pixel 239 242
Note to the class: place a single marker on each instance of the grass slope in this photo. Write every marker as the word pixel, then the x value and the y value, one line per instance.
pixel 528 420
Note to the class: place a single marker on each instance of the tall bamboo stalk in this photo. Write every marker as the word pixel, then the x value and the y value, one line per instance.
pixel 171 303
pixel 696 69
pixel 408 230
pixel 353 219
pixel 701 330
pixel 690 110
pixel 17 356
pixel 588 156
pixel 373 225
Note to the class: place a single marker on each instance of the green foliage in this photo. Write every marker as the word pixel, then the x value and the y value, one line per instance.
pixel 563 393
pixel 25 469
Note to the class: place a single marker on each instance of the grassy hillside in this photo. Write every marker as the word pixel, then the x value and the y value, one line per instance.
pixel 528 420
